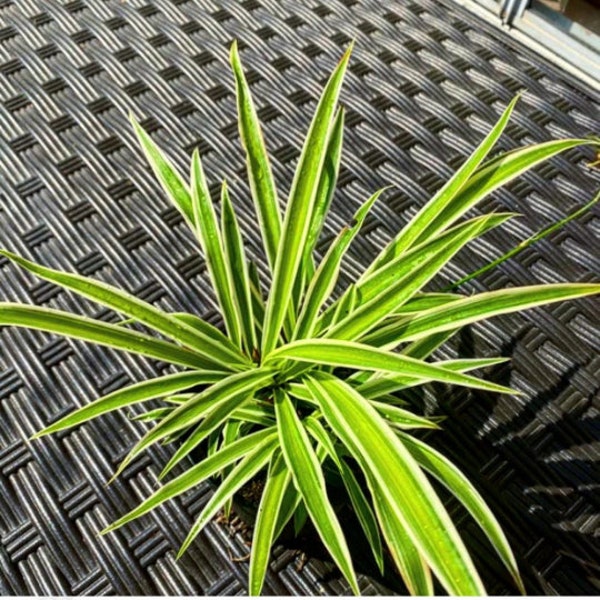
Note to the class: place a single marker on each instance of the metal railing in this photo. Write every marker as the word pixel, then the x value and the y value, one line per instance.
pixel 512 9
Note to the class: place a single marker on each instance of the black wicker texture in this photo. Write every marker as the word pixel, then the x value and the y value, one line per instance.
pixel 426 82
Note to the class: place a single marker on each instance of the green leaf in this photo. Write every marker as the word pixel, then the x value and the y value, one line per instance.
pixel 359 356
pixel 380 384
pixel 238 271
pixel 206 328
pixel 412 501
pixel 308 477
pixel 98 332
pixel 327 274
pixel 152 415
pixel 395 269
pixel 399 290
pixel 278 478
pixel 402 418
pixel 299 209
pixel 258 303
pixel 413 232
pixel 254 413
pixel 243 472
pixel 493 175
pixel 214 417
pixel 261 180
pixel 489 304
pixel 232 430
pixel 170 180
pixel 181 398
pixel 194 409
pixel 540 235
pixel 359 502
pixel 207 230
pixel 410 563
pixel 338 311
pixel 451 477
pixel 197 474
pixel 201 341
pixel 138 392
pixel 325 189
pixel 426 346
pixel 425 301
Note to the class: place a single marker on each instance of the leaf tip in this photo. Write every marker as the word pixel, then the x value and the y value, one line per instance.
pixel 183 548
pixel 134 121
pixel 167 469
pixel 107 530
pixel 234 56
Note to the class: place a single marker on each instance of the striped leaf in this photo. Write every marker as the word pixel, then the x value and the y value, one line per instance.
pixel 188 414
pixel 207 229
pixel 133 394
pixel 325 278
pixel 278 478
pixel 359 502
pixel 299 209
pixel 98 332
pixel 238 271
pixel 398 291
pixel 325 190
pixel 379 384
pixel 170 180
pixel 213 418
pixel 413 232
pixel 450 476
pixel 492 176
pixel 399 267
pixel 200 340
pixel 197 474
pixel 408 560
pixel 352 355
pixel 243 472
pixel 261 180
pixel 412 501
pixel 308 477
pixel 489 304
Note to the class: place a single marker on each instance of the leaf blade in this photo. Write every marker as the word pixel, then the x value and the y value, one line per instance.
pixel 170 180
pixel 133 394
pixel 198 473
pixel 247 468
pixel 189 412
pixel 98 332
pixel 437 205
pixel 262 184
pixel 488 304
pixel 299 209
pixel 414 502
pixel 353 355
pixel 207 230
pixel 238 271
pixel 308 477
pixel 453 479
pixel 202 341
pixel 269 508
pixel 326 276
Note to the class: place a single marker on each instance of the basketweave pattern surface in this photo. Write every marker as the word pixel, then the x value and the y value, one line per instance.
pixel 426 81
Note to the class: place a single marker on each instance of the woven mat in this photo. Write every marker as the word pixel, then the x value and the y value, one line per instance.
pixel 426 81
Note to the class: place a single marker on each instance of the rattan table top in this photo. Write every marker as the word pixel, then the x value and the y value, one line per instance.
pixel 426 81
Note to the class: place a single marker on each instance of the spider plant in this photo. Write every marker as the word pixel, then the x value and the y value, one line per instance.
pixel 302 377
